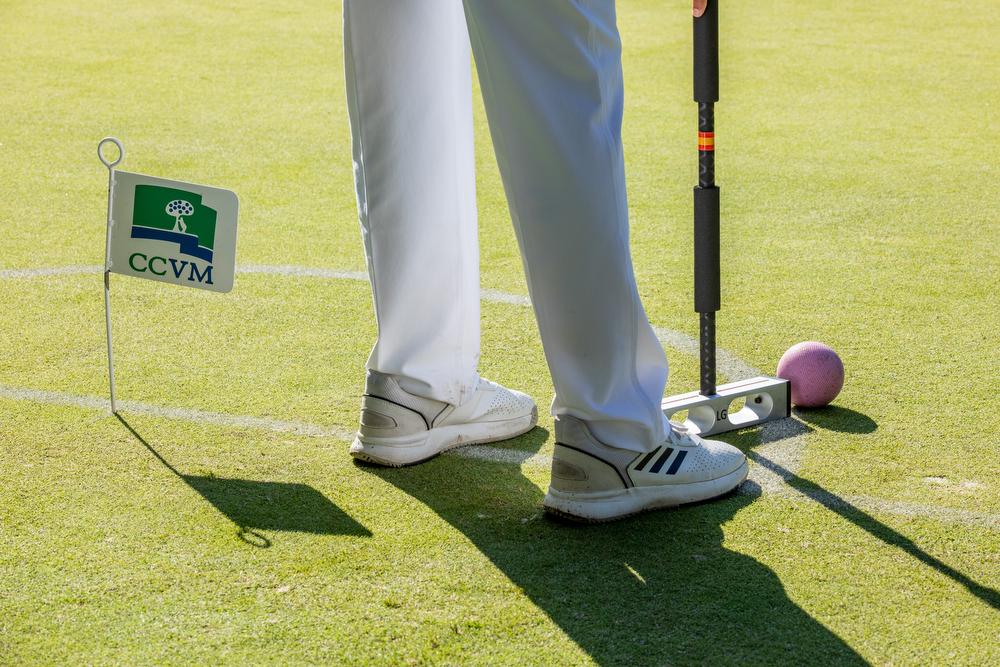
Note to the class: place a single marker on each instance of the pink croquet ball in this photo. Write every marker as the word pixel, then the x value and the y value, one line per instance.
pixel 815 371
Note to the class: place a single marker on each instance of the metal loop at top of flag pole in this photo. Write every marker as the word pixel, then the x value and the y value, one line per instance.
pixel 100 152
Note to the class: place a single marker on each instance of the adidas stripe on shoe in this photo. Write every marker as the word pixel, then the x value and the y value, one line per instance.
pixel 593 481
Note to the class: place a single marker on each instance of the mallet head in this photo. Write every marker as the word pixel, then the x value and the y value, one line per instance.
pixel 766 399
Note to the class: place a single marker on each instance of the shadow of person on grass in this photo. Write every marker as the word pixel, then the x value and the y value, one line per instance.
pixel 656 589
pixel 843 420
pixel 876 528
pixel 255 505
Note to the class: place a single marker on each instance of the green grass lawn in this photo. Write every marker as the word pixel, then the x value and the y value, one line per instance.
pixel 858 161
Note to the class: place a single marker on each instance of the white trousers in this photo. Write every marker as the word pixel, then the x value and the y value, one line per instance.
pixel 550 71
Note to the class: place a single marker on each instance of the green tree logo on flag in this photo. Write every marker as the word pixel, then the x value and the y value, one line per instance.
pixel 175 216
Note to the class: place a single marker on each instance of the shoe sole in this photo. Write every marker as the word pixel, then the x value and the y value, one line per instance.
pixel 614 505
pixel 411 450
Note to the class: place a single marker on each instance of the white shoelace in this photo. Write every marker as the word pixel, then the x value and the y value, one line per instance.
pixel 680 435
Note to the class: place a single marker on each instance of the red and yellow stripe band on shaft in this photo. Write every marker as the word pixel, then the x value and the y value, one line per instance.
pixel 706 141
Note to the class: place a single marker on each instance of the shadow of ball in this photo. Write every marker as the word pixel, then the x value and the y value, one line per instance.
pixel 815 372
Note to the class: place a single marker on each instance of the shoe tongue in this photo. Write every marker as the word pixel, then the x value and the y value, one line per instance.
pixel 679 434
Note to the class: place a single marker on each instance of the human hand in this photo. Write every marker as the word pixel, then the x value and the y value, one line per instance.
pixel 698 7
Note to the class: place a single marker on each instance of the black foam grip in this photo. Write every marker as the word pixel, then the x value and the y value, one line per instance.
pixel 706 54
pixel 707 293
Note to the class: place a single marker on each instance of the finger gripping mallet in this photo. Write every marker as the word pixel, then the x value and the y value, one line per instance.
pixel 766 398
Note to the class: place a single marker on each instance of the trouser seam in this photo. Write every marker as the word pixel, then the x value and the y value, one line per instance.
pixel 633 325
pixel 501 156
pixel 363 212
pixel 459 376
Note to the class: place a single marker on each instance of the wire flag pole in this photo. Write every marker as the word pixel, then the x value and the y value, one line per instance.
pixel 110 164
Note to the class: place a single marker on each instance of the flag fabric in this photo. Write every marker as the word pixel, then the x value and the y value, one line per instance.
pixel 173 232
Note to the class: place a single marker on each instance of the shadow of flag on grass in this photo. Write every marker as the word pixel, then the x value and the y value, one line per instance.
pixel 252 504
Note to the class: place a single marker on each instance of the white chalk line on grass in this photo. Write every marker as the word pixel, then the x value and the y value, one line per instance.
pixel 780 442
pixel 265 269
pixel 12 274
pixel 897 507
pixel 167 412
pixel 760 472
pixel 302 272
pixel 778 455
pixel 825 498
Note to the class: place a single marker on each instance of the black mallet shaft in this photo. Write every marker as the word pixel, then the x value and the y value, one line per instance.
pixel 707 292
pixel 710 410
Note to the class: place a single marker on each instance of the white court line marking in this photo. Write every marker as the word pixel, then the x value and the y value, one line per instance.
pixel 12 274
pixel 823 497
pixel 302 271
pixel 266 269
pixel 781 442
pixel 497 454
pixel 897 507
pixel 183 414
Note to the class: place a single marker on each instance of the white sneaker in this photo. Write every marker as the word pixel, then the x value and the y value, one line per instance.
pixel 592 481
pixel 399 428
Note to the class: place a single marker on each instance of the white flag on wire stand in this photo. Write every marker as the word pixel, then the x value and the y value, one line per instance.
pixel 164 230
